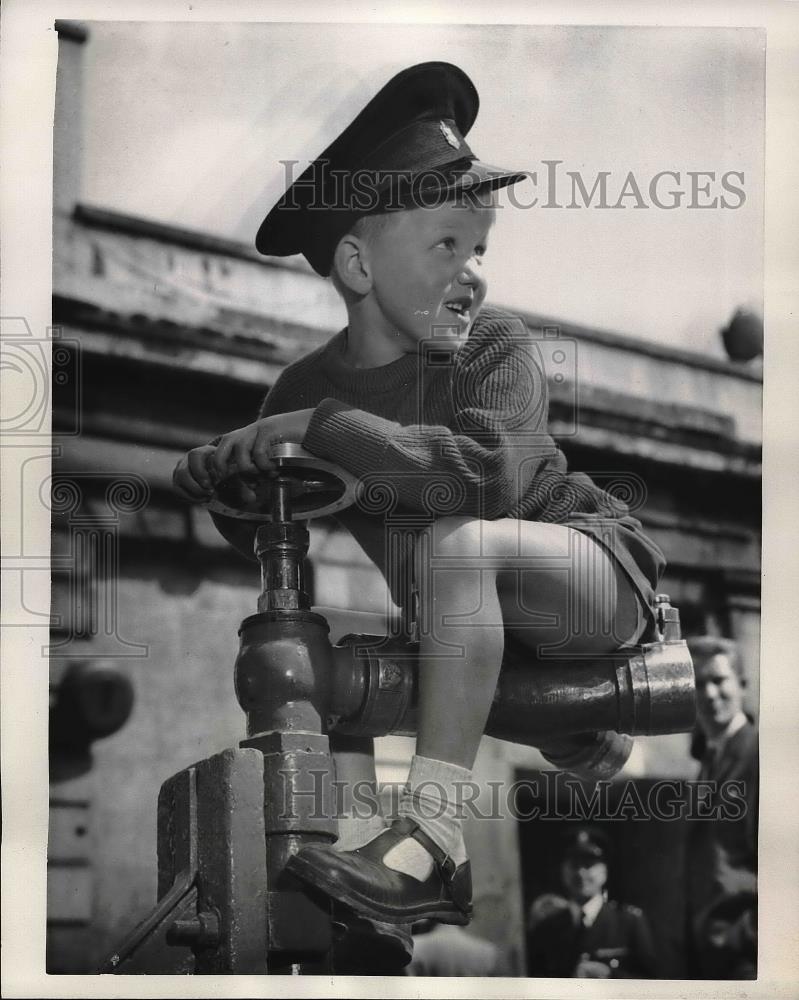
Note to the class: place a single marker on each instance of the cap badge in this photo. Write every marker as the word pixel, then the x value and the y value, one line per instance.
pixel 449 135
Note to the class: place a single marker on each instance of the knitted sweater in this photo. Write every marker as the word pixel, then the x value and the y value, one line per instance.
pixel 450 431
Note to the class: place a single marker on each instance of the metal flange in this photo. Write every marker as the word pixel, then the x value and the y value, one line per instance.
pixel 317 488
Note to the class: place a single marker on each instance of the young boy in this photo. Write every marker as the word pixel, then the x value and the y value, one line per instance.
pixel 441 403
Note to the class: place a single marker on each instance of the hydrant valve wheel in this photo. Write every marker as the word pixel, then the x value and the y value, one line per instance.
pixel 317 488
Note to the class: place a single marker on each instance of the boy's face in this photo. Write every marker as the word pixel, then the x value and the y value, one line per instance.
pixel 426 270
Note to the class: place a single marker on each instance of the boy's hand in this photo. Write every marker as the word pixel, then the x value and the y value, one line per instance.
pixel 191 477
pixel 195 479
pixel 247 450
pixel 244 451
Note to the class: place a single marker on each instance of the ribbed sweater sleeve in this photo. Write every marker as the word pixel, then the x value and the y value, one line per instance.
pixel 480 460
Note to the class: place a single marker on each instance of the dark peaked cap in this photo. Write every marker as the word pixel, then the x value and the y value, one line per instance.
pixel 406 147
pixel 587 844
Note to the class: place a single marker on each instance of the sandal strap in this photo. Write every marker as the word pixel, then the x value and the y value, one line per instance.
pixel 408 827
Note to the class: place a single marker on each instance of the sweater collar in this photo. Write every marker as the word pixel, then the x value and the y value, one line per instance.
pixel 397 374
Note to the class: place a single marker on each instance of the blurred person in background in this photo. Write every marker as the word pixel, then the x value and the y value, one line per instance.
pixel 585 935
pixel 449 950
pixel 721 861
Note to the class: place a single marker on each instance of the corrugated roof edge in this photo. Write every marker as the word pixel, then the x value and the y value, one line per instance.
pixel 193 239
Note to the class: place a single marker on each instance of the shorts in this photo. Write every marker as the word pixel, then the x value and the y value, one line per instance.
pixel 638 558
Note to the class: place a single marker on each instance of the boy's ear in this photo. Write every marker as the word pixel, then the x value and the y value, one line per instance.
pixel 351 264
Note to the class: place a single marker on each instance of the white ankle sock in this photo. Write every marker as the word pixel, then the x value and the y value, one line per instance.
pixel 355 831
pixel 433 799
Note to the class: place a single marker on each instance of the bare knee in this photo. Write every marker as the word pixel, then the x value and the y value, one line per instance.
pixel 452 555
pixel 453 539
pixel 455 536
pixel 473 543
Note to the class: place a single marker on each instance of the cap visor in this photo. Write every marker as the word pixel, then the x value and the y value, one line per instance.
pixel 592 857
pixel 476 177
pixel 481 174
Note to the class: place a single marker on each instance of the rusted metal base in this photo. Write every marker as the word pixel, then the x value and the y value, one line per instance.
pixel 217 911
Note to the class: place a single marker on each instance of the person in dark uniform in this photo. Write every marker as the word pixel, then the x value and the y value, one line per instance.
pixel 721 852
pixel 585 935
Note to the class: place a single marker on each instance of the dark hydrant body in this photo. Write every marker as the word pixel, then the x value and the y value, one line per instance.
pixel 282 678
pixel 645 691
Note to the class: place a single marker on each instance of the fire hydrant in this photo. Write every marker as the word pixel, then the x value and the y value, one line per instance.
pixel 227 825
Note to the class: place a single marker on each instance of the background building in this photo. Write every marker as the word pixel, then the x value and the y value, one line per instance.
pixel 165 336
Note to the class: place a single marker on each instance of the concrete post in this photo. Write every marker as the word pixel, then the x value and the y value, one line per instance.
pixel 68 124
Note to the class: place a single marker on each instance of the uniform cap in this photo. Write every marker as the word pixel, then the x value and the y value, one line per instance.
pixel 587 845
pixel 407 147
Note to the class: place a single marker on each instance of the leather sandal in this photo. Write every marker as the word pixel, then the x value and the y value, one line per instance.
pixel 361 881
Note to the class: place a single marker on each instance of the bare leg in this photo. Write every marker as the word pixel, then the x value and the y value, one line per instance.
pixel 547 584
pixel 357 804
pixel 458 664
pixel 554 589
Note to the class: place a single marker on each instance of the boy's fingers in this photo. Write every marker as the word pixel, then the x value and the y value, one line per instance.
pixel 261 450
pixel 184 482
pixel 242 454
pixel 198 468
pixel 208 464
pixel 219 460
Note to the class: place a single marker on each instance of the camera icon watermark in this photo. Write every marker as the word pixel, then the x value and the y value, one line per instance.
pixel 40 374
pixel 558 358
